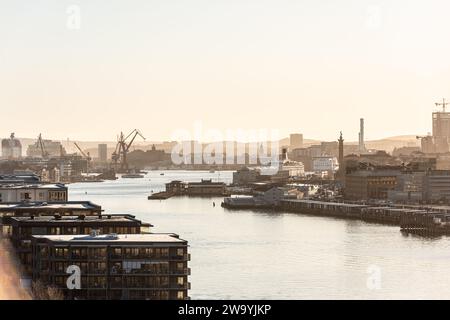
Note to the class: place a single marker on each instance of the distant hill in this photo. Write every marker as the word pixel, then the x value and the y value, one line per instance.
pixel 388 144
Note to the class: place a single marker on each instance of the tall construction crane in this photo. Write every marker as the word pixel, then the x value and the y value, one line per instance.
pixel 40 143
pixel 443 104
pixel 123 146
pixel 85 155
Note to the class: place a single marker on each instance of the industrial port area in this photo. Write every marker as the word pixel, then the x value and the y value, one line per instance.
pixel 120 257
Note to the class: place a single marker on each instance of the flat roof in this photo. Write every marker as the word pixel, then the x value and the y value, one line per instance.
pixel 117 238
pixel 71 219
pixel 37 205
pixel 31 186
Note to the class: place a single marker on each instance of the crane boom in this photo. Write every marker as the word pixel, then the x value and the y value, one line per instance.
pixel 42 146
pixel 123 147
pixel 81 151
pixel 136 133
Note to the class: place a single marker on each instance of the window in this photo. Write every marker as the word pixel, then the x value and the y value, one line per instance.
pixel 55 231
pixel 61 252
pixel 180 295
pixel 117 252
pixel 180 281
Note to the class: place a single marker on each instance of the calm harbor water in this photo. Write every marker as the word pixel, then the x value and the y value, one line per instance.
pixel 260 255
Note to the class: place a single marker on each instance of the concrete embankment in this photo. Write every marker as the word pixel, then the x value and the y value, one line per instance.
pixel 414 219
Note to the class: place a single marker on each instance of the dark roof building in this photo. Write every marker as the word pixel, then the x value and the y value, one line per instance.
pixel 132 266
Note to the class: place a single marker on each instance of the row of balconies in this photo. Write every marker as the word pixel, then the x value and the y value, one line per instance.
pixel 184 257
pixel 184 272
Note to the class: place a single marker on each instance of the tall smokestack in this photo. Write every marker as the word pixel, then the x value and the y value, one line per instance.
pixel 362 147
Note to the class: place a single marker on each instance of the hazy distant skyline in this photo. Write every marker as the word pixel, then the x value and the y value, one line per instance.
pixel 313 67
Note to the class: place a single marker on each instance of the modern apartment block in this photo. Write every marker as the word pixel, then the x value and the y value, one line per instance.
pixel 37 209
pixel 23 228
pixel 131 266
pixel 42 208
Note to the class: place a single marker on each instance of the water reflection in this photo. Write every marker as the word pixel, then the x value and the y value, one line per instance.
pixel 262 255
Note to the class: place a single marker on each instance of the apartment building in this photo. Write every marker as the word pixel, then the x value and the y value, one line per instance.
pixel 131 266
pixel 23 228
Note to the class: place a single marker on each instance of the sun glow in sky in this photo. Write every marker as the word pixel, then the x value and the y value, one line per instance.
pixel 306 66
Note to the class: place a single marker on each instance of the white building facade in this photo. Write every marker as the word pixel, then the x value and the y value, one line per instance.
pixel 40 192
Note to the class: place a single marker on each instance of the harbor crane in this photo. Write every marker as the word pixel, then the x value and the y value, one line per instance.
pixel 123 146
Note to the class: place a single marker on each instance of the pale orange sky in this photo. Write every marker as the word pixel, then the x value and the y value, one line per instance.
pixel 313 67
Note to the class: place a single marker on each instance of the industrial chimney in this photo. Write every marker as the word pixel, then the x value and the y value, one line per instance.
pixel 362 147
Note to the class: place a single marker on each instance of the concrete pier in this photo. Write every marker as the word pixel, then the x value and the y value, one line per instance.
pixel 411 219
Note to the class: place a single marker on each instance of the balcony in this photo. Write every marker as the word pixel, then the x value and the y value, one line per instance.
pixel 183 272
pixel 184 257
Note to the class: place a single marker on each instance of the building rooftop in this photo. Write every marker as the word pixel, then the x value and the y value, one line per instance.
pixel 103 219
pixel 375 173
pixel 31 186
pixel 114 238
pixel 36 205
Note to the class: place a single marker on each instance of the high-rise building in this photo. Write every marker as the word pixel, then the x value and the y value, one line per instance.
pixel 295 141
pixel 441 130
pixel 11 148
pixel 102 152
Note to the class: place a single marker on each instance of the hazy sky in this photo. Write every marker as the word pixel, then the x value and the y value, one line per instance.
pixel 308 66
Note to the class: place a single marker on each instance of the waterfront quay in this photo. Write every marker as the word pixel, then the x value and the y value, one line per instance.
pixel 413 219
